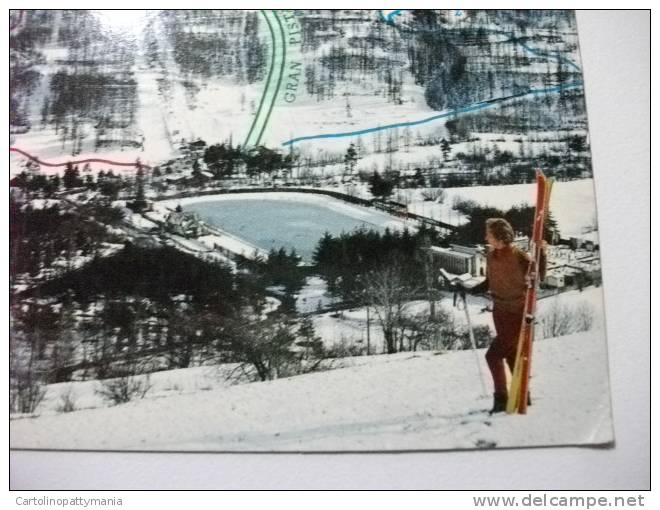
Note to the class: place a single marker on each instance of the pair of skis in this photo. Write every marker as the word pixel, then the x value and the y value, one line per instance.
pixel 519 387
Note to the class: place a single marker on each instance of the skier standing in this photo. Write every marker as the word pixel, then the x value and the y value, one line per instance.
pixel 506 273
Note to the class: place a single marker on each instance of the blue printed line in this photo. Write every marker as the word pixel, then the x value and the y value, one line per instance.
pixel 388 19
pixel 465 109
pixel 393 13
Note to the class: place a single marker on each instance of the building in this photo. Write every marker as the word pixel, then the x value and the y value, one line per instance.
pixel 186 224
pixel 459 259
pixel 555 279
pixel 587 241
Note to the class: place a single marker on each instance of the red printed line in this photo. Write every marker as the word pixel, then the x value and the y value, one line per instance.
pixel 135 164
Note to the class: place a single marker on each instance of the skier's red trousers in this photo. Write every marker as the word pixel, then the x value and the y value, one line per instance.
pixel 503 348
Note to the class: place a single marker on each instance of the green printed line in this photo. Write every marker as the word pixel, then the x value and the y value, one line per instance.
pixel 270 72
pixel 279 80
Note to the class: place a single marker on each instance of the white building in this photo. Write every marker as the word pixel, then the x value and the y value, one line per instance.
pixel 555 279
pixel 459 259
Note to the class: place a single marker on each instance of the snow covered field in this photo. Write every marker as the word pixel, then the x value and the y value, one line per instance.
pixel 410 400
pixel 350 326
pixel 572 203
pixel 417 401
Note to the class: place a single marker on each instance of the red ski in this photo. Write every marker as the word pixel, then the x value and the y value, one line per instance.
pixel 519 388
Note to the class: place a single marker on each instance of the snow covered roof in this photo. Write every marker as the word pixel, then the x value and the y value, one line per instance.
pixel 449 251
pixel 182 218
pixel 471 250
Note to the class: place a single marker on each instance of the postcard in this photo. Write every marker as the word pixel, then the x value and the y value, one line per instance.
pixel 303 231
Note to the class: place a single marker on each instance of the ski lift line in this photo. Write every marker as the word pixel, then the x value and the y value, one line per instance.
pixel 268 78
pixel 465 109
pixel 134 164
pixel 279 79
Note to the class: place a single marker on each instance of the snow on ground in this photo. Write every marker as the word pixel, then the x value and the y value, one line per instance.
pixel 417 401
pixel 189 244
pixel 231 244
pixel 572 203
pixel 349 327
pixel 313 295
pixel 141 222
pixel 44 203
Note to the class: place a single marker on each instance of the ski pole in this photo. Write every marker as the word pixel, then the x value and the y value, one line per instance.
pixel 473 342
pixel 459 291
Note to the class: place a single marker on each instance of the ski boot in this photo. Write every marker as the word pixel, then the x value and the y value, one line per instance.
pixel 499 403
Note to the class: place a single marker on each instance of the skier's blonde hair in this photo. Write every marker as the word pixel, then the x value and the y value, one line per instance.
pixel 500 229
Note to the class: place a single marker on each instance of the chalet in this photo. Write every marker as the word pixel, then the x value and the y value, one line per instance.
pixel 184 223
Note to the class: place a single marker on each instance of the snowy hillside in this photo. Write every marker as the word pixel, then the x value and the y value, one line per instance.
pixel 256 195
pixel 316 80
pixel 350 328
pixel 408 400
pixel 573 203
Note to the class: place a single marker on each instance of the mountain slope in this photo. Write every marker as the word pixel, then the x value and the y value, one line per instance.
pixel 413 401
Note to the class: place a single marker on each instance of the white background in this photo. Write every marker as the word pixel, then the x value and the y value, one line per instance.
pixel 615 48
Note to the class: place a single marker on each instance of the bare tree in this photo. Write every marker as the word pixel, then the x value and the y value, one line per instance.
pixel 186 338
pixel 422 331
pixel 264 346
pixel 560 319
pixel 388 292
pixel 26 389
pixel 556 320
pixel 67 401
pixel 127 384
pixel 584 317
pixel 65 345
pixel 32 330
pixel 434 195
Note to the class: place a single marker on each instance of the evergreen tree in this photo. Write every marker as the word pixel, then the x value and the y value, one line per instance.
pixel 446 149
pixel 308 339
pixel 55 182
pixel 550 228
pixel 380 187
pixel 140 202
pixel 350 160
pixel 71 177
pixel 89 182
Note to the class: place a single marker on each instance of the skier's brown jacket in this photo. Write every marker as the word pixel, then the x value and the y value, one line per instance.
pixel 506 272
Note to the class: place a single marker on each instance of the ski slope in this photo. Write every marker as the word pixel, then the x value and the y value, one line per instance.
pixel 405 401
